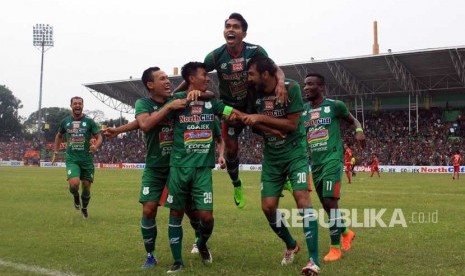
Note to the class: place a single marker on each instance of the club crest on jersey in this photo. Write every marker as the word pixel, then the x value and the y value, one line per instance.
pixel 145 191
pixel 208 105
pixel 327 109
pixel 196 109
pixel 269 105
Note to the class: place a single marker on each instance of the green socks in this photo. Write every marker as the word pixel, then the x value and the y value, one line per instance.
pixel 283 233
pixel 310 226
pixel 175 237
pixel 149 233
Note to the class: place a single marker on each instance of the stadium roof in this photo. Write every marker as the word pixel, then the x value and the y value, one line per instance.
pixel 440 70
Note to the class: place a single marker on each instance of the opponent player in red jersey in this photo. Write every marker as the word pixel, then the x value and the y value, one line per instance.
pixel 374 165
pixel 456 160
pixel 347 162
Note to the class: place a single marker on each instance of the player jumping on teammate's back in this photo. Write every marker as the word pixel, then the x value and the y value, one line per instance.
pixel 229 61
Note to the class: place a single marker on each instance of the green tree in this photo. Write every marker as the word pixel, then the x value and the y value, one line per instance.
pixel 10 121
pixel 52 117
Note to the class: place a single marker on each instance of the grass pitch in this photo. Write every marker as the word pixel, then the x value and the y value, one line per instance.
pixel 41 229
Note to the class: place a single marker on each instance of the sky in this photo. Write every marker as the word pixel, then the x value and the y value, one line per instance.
pixel 97 41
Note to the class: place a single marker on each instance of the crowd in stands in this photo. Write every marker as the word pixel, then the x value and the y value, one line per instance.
pixel 127 148
pixel 387 135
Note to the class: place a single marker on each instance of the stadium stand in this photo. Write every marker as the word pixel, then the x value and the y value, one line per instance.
pixel 385 92
pixel 387 134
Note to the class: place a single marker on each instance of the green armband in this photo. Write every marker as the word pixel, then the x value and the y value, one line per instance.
pixel 227 111
pixel 359 129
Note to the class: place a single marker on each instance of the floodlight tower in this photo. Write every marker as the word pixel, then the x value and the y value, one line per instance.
pixel 42 35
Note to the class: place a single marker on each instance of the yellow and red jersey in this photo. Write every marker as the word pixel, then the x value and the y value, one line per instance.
pixel 456 159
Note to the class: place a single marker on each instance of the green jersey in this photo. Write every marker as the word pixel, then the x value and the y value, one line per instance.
pixel 77 135
pixel 195 129
pixel 231 72
pixel 276 149
pixel 159 139
pixel 324 130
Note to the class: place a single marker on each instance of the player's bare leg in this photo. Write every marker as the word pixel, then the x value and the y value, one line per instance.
pixel 74 190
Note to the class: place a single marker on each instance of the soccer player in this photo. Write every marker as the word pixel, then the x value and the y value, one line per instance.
pixel 352 165
pixel 191 163
pixel 374 165
pixel 347 162
pixel 151 118
pixel 323 117
pixel 83 138
pixel 284 156
pixel 229 61
pixel 456 160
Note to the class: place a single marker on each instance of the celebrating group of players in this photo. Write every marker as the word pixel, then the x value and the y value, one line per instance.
pixel 181 130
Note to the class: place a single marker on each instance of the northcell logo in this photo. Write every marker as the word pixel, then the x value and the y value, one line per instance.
pixel 197 118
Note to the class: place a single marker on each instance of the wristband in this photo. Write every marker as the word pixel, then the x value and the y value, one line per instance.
pixel 227 111
pixel 359 129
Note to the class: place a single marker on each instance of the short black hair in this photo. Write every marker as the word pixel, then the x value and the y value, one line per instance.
pixel 239 18
pixel 148 75
pixel 76 98
pixel 190 69
pixel 263 64
pixel 316 75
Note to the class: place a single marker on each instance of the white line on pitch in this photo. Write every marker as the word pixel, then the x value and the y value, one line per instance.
pixel 34 269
